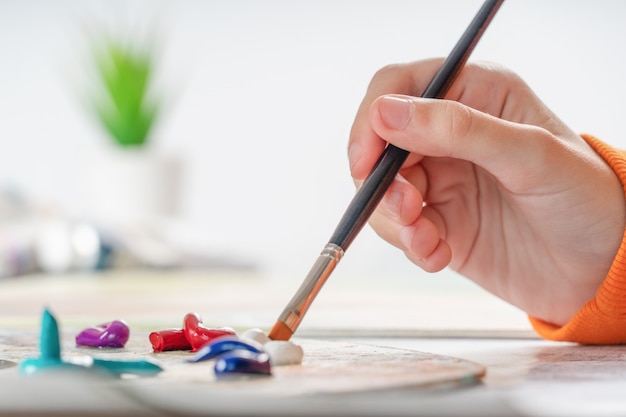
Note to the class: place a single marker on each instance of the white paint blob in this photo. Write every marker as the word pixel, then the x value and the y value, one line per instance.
pixel 281 352
pixel 284 352
pixel 257 335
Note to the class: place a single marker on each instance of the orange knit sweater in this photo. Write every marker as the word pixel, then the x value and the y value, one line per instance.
pixel 603 319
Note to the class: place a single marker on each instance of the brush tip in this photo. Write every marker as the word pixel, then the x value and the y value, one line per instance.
pixel 280 331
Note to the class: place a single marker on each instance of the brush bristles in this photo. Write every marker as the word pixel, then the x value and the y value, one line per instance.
pixel 280 331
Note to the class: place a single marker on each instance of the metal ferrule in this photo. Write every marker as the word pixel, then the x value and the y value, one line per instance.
pixel 317 276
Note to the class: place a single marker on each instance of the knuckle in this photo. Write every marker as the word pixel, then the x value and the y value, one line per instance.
pixel 388 71
pixel 392 78
pixel 547 146
pixel 459 119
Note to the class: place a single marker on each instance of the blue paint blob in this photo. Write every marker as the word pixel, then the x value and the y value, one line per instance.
pixel 224 344
pixel 242 362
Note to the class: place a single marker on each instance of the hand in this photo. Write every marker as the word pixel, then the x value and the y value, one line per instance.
pixel 495 186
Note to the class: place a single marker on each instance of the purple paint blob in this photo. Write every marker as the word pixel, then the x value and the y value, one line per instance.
pixel 107 335
pixel 50 352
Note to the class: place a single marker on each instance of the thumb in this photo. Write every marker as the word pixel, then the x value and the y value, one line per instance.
pixel 444 128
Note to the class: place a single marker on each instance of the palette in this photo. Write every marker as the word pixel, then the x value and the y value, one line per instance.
pixel 329 367
pixel 333 367
pixel 331 370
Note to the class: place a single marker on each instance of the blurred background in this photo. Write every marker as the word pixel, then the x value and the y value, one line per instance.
pixel 256 101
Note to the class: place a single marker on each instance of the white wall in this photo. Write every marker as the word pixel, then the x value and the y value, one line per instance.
pixel 263 96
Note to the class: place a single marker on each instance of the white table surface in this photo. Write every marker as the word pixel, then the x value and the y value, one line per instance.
pixel 525 376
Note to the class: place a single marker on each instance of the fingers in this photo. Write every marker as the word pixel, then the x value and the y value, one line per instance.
pixel 365 145
pixel 491 121
pixel 442 128
pixel 402 220
pixel 437 260
pixel 420 240
pixel 487 87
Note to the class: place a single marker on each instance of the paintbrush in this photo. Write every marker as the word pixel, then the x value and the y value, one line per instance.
pixel 376 184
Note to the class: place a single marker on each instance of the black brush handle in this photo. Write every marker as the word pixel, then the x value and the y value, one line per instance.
pixel 386 168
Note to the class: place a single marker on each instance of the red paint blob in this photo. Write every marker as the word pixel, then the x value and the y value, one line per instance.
pixel 198 335
pixel 169 339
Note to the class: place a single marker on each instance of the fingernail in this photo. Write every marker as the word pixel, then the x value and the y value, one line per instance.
pixel 395 112
pixel 394 201
pixel 354 155
pixel 406 236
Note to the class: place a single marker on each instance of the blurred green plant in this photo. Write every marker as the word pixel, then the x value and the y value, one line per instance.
pixel 123 102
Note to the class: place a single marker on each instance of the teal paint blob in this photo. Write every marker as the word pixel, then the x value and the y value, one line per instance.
pixel 50 357
pixel 49 348
pixel 49 343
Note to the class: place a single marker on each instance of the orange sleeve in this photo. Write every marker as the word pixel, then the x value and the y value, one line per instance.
pixel 602 321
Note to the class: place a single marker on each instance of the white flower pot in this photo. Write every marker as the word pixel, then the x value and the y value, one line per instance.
pixel 128 185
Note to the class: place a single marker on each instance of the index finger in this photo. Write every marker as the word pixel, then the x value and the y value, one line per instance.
pixel 365 146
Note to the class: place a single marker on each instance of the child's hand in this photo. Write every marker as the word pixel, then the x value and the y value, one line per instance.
pixel 496 186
